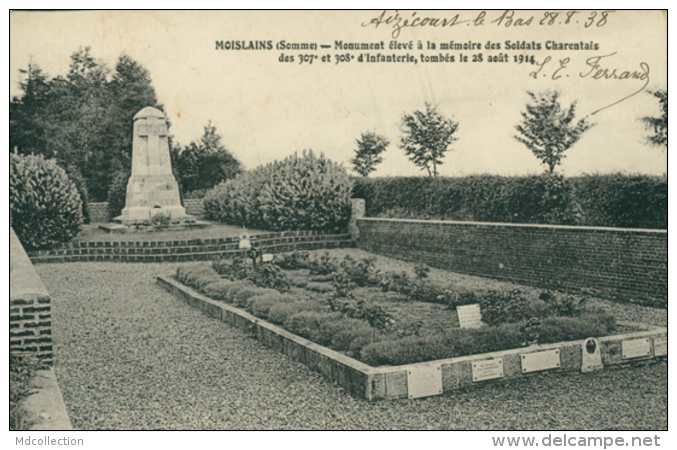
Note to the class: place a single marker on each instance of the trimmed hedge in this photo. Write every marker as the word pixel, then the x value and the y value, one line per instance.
pixel 616 200
pixel 298 193
pixel 44 204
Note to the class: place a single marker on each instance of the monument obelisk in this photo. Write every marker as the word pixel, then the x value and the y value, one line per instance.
pixel 152 187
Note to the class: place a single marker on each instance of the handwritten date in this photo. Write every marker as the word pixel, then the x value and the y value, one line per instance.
pixel 508 18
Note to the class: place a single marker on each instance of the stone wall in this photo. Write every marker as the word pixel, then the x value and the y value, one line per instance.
pixel 628 264
pixel 30 316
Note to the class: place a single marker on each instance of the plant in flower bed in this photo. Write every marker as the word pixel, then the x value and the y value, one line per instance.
pixel 381 318
pixel 21 375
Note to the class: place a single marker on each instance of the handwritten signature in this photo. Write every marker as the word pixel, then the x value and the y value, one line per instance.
pixel 596 71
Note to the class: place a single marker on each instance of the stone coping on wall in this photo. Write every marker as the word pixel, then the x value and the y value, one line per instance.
pixel 45 409
pixel 518 225
pixel 419 379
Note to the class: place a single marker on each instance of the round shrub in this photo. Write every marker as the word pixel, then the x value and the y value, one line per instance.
pixel 298 193
pixel 260 305
pixel 44 204
pixel 282 311
pixel 224 290
pixel 191 276
pixel 346 331
pixel 313 325
pixel 558 329
pixel 241 296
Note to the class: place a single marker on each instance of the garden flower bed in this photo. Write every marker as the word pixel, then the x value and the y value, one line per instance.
pixel 385 319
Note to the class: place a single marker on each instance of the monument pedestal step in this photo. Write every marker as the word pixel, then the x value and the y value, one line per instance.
pixel 118 227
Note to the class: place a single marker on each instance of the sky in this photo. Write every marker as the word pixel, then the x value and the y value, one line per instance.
pixel 265 109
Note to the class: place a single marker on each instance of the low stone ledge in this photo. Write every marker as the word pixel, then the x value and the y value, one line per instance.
pixel 392 382
pixel 45 409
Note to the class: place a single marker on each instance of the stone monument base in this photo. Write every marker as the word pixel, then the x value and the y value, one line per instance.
pixel 185 223
pixel 140 214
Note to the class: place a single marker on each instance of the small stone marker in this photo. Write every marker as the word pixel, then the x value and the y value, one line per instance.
pixel 660 346
pixel 487 369
pixel 636 348
pixel 592 356
pixel 245 242
pixel 537 361
pixel 469 316
pixel 424 381
pixel 267 257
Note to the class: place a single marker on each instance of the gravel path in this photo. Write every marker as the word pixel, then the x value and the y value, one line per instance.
pixel 131 356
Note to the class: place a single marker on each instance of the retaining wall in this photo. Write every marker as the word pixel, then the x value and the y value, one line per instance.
pixel 30 314
pixel 628 264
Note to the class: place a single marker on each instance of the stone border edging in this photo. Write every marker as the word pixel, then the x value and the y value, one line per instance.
pixel 376 383
pixel 45 408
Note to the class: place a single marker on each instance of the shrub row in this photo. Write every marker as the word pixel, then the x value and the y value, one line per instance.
pixel 615 200
pixel 462 342
pixel 298 193
pixel 367 332
pixel 294 311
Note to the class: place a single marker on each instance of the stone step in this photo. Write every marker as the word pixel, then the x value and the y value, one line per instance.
pixel 192 255
pixel 197 241
pixel 182 247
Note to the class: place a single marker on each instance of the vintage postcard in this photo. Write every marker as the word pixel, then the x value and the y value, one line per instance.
pixel 131 106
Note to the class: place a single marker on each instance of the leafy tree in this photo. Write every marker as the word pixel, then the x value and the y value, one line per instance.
pixel 25 132
pixel 427 137
pixel 82 119
pixel 202 165
pixel 659 125
pixel 548 130
pixel 368 153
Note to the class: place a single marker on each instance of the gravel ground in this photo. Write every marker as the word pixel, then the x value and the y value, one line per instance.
pixel 130 356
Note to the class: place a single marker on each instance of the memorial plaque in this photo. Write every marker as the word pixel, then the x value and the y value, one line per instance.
pixel 424 381
pixel 245 242
pixel 537 361
pixel 487 369
pixel 660 346
pixel 267 257
pixel 469 316
pixel 592 356
pixel 636 348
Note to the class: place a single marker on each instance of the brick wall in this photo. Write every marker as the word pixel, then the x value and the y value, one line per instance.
pixel 30 317
pixel 626 263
